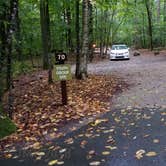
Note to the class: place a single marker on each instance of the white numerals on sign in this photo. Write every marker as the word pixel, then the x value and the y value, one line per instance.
pixel 61 57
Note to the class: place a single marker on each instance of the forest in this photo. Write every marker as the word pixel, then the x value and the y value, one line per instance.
pixel 32 31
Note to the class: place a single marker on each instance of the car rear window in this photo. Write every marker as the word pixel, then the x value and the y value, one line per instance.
pixel 119 47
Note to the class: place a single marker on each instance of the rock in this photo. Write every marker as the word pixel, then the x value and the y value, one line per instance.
pixel 156 52
pixel 136 53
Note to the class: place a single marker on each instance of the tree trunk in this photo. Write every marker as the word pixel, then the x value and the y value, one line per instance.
pixel 158 10
pixel 3 41
pixel 11 18
pixel 82 71
pixel 164 20
pixel 85 40
pixel 45 34
pixel 18 33
pixel 69 34
pixel 77 29
pixel 102 35
pixel 90 32
pixel 149 14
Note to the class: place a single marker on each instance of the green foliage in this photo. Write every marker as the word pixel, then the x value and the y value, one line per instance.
pixel 21 68
pixel 7 127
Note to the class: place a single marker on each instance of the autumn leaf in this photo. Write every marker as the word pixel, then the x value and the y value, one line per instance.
pixel 69 141
pixel 53 162
pixel 117 119
pixel 105 153
pixel 94 163
pixel 151 154
pixel 62 150
pixel 91 152
pixel 60 163
pixel 111 147
pixel 139 153
pixel 36 145
pixel 98 121
pixel 83 143
pixel 156 141
pixel 8 155
pixel 38 153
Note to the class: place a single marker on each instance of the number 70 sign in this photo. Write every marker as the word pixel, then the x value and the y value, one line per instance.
pixel 61 58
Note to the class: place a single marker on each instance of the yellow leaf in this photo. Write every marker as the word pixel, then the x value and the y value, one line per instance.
pixel 8 155
pixel 53 162
pixel 111 147
pixel 55 129
pixel 105 153
pixel 36 145
pixel 38 153
pixel 98 121
pixel 151 154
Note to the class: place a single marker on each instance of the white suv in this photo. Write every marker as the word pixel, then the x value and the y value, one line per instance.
pixel 119 51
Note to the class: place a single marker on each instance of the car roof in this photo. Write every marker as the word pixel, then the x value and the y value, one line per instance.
pixel 119 45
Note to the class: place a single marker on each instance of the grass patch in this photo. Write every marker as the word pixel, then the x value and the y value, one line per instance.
pixel 7 127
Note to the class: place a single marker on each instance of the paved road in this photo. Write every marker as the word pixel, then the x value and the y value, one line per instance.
pixel 132 134
pixel 113 142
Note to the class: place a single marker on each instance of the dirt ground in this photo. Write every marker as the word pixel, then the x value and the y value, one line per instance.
pixel 145 73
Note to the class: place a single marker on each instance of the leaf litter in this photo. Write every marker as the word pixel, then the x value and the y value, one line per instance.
pixel 39 115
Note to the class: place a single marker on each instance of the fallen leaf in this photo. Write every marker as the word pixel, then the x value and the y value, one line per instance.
pixel 38 153
pixel 53 162
pixel 8 155
pixel 69 141
pixel 60 162
pixel 95 163
pixel 36 145
pixel 139 153
pixel 91 152
pixel 151 154
pixel 62 150
pixel 83 143
pixel 98 121
pixel 105 153
pixel 156 141
pixel 117 119
pixel 111 147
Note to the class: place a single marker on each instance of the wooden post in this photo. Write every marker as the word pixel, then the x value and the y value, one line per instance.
pixel 60 59
pixel 64 92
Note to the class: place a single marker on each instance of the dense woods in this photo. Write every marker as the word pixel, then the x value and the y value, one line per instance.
pixel 30 29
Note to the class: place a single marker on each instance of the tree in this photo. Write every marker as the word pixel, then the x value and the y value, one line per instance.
pixel 149 15
pixel 77 29
pixel 3 19
pixel 11 28
pixel 82 71
pixel 45 33
pixel 18 33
